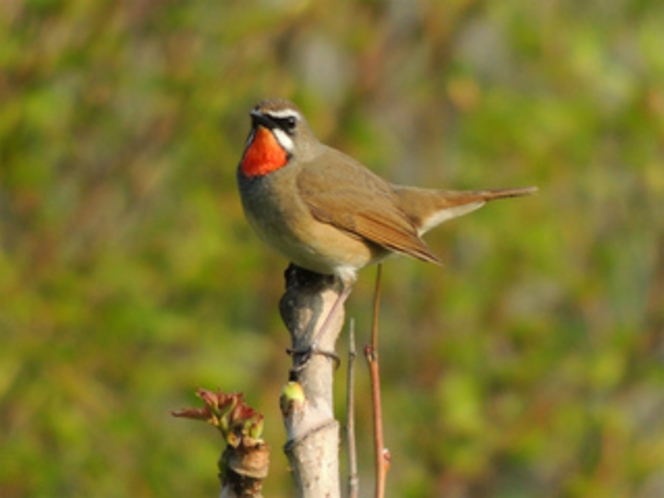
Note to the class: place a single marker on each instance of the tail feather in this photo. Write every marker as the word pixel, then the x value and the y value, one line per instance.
pixel 490 195
pixel 429 208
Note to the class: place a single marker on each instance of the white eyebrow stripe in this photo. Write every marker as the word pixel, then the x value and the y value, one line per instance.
pixel 284 113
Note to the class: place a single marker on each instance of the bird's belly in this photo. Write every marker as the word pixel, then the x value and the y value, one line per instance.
pixel 307 242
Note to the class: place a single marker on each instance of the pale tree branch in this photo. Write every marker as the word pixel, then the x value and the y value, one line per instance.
pixel 312 445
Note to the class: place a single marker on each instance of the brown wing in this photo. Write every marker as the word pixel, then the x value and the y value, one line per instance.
pixel 343 193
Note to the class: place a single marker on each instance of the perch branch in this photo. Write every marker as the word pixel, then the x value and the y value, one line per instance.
pixel 312 445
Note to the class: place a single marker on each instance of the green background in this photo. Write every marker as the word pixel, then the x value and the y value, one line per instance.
pixel 531 364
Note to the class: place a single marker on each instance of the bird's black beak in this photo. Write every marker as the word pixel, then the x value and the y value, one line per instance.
pixel 258 118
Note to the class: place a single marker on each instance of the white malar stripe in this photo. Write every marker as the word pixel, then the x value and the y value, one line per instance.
pixel 447 214
pixel 283 139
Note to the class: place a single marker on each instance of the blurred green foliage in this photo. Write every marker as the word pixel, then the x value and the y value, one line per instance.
pixel 530 365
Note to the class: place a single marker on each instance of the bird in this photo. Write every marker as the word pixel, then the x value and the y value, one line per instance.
pixel 325 211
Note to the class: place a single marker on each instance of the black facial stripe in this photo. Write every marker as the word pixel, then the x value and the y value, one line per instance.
pixel 286 123
pixel 259 118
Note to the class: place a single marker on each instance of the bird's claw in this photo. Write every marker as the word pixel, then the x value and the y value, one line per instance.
pixel 302 357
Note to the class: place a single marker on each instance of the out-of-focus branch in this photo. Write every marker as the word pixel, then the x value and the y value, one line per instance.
pixel 353 480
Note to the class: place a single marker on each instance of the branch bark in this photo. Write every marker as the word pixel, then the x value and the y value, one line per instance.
pixel 312 445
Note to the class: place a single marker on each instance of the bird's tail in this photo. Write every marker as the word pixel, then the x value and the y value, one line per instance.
pixel 429 208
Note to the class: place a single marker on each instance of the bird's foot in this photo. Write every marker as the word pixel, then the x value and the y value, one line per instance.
pixel 302 357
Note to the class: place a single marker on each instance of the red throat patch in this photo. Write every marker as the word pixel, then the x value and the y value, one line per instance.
pixel 263 155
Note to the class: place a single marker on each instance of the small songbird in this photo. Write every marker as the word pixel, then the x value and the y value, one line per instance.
pixel 326 212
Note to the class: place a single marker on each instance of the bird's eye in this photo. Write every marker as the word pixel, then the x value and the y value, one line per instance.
pixel 287 123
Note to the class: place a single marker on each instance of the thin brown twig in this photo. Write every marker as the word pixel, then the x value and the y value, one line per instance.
pixel 353 481
pixel 376 308
pixel 371 353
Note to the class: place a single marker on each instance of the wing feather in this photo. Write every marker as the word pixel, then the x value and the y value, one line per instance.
pixel 345 194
